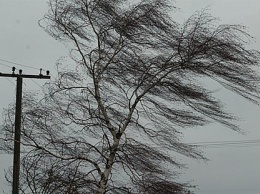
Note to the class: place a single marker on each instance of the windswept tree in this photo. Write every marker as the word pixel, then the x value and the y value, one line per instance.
pixel 106 123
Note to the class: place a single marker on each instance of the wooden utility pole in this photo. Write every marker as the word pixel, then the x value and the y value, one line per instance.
pixel 18 115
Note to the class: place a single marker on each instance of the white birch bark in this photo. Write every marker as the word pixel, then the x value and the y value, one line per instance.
pixel 105 175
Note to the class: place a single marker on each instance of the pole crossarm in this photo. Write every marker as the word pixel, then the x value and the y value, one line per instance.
pixel 40 76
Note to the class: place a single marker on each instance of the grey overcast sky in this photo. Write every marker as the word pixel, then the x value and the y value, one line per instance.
pixel 233 167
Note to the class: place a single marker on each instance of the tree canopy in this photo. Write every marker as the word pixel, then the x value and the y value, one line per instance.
pixel 107 121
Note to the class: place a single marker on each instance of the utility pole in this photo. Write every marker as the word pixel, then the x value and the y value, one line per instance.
pixel 18 115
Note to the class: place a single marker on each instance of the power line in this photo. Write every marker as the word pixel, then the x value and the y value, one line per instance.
pixel 10 81
pixel 226 142
pixel 14 63
pixel 219 144
pixel 231 146
pixel 37 83
pixel 225 190
pixel 5 65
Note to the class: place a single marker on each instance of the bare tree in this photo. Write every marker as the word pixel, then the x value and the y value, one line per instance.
pixel 106 123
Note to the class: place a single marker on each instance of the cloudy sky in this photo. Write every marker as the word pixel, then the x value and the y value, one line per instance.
pixel 234 157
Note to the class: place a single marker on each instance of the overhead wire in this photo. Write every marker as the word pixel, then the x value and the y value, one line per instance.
pixel 14 63
pixel 10 81
pixel 36 83
pixel 5 65
pixel 219 144
pixel 225 190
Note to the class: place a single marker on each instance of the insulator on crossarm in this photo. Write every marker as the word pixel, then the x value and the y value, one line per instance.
pixel 13 70
pixel 40 72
